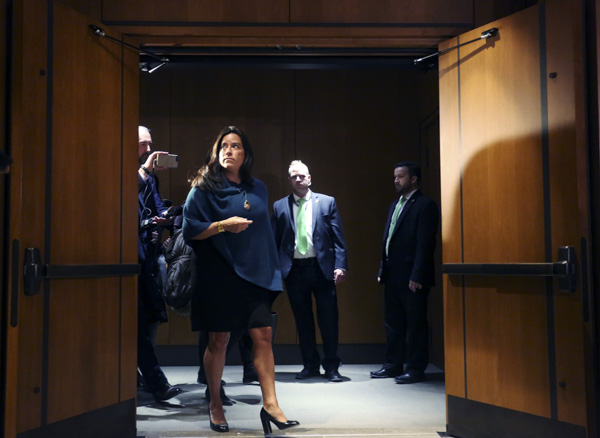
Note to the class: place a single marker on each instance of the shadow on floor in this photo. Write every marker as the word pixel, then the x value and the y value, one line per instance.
pixel 359 406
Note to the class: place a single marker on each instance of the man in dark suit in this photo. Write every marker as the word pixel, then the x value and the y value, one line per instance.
pixel 312 253
pixel 407 272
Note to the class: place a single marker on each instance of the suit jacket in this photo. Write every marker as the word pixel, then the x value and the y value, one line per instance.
pixel 149 205
pixel 410 254
pixel 328 237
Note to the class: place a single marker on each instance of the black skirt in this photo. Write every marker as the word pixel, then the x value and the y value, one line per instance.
pixel 222 301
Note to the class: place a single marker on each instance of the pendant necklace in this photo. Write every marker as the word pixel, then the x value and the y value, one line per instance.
pixel 246 203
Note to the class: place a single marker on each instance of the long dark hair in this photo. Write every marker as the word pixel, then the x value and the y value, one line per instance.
pixel 210 176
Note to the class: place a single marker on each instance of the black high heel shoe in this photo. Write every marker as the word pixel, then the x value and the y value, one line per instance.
pixel 219 427
pixel 267 419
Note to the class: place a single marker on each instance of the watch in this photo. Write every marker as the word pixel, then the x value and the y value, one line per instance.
pixel 220 227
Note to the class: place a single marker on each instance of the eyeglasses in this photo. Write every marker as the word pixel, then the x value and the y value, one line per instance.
pixel 145 143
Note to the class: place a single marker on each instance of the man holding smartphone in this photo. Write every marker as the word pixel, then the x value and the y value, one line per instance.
pixel 151 307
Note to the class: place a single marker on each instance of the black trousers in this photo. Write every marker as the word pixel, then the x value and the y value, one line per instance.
pixel 154 378
pixel 302 283
pixel 406 328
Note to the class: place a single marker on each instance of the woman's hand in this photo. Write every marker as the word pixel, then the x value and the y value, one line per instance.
pixel 236 224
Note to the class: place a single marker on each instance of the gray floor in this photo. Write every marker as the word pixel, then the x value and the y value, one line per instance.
pixel 358 407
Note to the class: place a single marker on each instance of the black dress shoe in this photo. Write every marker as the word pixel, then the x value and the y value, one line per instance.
pixel 224 399
pixel 250 376
pixel 307 373
pixel 266 420
pixel 386 372
pixel 166 392
pixel 333 376
pixel 410 377
pixel 202 379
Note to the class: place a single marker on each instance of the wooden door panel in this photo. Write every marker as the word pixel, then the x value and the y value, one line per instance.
pixel 507 354
pixel 28 127
pixel 84 315
pixel 498 199
pixel 454 337
pixel 451 229
pixel 129 221
pixel 513 124
pixel 73 196
pixel 569 214
pixel 84 346
pixel 501 138
pixel 86 169
pixel 128 333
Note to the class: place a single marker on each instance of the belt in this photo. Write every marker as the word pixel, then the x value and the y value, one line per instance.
pixel 311 261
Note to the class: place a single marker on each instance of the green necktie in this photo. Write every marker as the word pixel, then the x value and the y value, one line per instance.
pixel 393 222
pixel 301 239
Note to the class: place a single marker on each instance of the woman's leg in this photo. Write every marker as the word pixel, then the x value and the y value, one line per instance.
pixel 214 362
pixel 265 368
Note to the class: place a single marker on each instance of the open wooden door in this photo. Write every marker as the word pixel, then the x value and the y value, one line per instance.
pixel 71 323
pixel 515 190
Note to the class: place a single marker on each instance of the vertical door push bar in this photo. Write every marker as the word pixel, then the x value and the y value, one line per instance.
pixel 564 269
pixel 34 271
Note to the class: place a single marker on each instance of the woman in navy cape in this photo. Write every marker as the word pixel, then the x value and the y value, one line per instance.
pixel 236 273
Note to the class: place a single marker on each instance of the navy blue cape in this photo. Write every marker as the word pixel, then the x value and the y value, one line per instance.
pixel 252 252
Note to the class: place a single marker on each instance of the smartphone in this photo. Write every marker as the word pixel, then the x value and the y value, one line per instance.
pixel 164 160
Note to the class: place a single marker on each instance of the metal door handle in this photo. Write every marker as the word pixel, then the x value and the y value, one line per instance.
pixel 564 269
pixel 34 271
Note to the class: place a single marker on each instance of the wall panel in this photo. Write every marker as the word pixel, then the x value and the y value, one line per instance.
pixel 304 24
pixel 486 11
pixel 290 11
pixel 89 8
pixel 228 11
pixel 381 11
pixel 349 125
pixel 351 135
